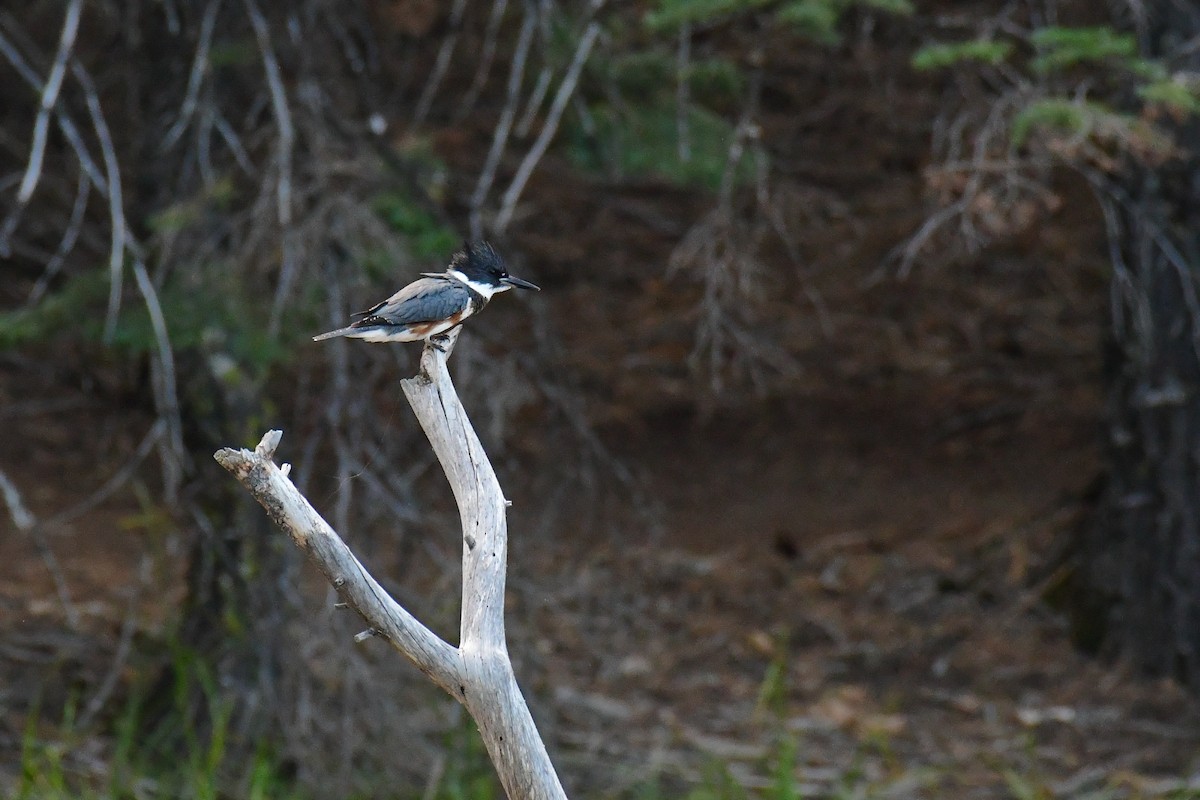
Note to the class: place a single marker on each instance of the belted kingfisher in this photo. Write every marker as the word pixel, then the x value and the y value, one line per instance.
pixel 437 301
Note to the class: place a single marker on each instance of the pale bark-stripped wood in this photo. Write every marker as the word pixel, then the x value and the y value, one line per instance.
pixel 478 673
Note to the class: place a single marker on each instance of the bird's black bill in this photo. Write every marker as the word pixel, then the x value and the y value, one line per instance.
pixel 520 284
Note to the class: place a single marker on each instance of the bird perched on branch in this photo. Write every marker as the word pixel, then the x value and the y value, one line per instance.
pixel 436 302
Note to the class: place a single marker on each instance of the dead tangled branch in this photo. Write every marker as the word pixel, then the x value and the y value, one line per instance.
pixel 982 188
pixel 721 254
pixel 993 174
pixel 107 182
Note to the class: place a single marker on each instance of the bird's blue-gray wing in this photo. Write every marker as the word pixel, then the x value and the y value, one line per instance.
pixel 423 300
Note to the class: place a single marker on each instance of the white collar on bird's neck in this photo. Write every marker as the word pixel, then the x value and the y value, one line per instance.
pixel 486 290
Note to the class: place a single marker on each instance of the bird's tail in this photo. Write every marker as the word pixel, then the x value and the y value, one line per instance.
pixel 332 334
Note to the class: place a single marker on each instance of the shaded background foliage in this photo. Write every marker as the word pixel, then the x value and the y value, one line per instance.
pixel 732 206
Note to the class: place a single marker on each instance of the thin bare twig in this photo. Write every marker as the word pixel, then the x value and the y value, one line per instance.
pixel 196 77
pixel 116 205
pixel 485 59
pixel 440 65
pixel 500 137
pixel 27 523
pixel 540 87
pixel 41 124
pixel 166 398
pixel 115 481
pixel 279 107
pixel 747 129
pixel 234 142
pixel 287 139
pixel 565 90
pixel 908 250
pixel 21 516
pixel 66 244
pixel 112 677
pixel 65 124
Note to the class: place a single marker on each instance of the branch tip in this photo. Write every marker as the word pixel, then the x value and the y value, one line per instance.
pixel 228 457
pixel 270 441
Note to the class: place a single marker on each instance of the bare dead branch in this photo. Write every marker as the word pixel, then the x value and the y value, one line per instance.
pixel 987 181
pixel 49 99
pixel 534 103
pixel 195 77
pixel 440 65
pixel 500 137
pixel 747 129
pixel 66 125
pixel 485 59
pixel 909 250
pixel 110 183
pixel 286 145
pixel 166 397
pixel 279 107
pixel 233 141
pixel 292 512
pixel 478 673
pixel 565 91
pixel 66 244
pixel 115 481
pixel 508 729
pixel 21 516
pixel 116 205
pixel 112 677
pixel 27 523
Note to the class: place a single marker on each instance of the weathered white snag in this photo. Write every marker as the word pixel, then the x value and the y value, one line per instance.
pixel 478 673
